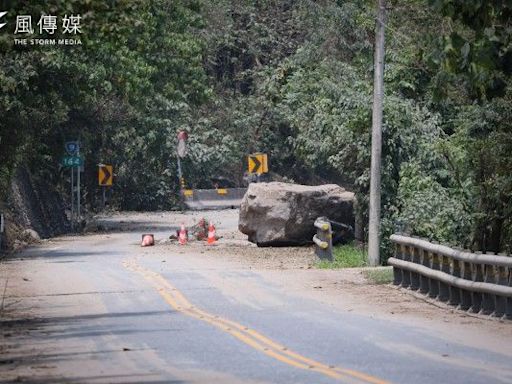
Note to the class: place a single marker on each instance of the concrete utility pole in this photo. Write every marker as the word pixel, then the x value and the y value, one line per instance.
pixel 378 95
pixel 78 170
pixel 72 198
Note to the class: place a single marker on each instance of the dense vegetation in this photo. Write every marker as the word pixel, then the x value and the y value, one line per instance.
pixel 292 78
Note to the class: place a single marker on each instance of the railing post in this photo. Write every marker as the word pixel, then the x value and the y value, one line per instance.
pixel 415 277
pixel 444 292
pixel 424 281
pixel 466 299
pixel 476 297
pixel 501 279
pixel 323 239
pixel 397 273
pixel 406 275
pixel 433 283
pixel 455 293
pixel 488 300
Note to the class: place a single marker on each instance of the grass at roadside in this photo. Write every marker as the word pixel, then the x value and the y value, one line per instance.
pixel 345 256
pixel 379 275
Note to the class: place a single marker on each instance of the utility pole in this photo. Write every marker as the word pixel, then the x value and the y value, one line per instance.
pixel 378 95
pixel 78 170
pixel 72 198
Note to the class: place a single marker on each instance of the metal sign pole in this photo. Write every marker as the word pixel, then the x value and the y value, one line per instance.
pixel 2 229
pixel 181 152
pixel 73 150
pixel 180 174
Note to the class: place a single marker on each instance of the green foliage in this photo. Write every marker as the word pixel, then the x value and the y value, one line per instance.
pixel 345 256
pixel 479 45
pixel 123 93
pixel 473 59
pixel 290 78
pixel 430 209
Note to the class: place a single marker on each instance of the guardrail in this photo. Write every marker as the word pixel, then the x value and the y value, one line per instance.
pixel 323 238
pixel 475 282
pixel 221 198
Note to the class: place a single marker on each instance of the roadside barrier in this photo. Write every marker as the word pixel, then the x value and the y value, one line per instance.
pixel 221 198
pixel 475 282
pixel 323 239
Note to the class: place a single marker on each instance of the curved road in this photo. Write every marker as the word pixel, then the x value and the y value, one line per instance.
pixel 100 309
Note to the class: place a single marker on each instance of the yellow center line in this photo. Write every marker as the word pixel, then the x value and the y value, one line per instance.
pixel 246 335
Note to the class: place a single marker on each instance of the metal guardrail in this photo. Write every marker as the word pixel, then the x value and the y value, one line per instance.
pixel 476 282
pixel 221 198
pixel 323 238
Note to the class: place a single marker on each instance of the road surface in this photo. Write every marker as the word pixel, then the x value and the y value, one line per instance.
pixel 99 308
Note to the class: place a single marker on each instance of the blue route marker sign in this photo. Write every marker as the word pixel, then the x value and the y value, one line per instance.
pixel 72 147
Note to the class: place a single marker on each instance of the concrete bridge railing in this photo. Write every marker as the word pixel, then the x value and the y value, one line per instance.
pixel 221 198
pixel 475 282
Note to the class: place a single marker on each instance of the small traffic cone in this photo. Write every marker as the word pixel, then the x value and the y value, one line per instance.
pixel 147 240
pixel 182 237
pixel 211 234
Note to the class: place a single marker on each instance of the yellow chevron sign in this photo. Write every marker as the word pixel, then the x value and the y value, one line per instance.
pixel 105 175
pixel 258 163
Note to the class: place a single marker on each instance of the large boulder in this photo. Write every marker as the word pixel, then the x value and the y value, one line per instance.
pixel 279 214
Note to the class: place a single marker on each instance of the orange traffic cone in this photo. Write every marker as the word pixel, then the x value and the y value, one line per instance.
pixel 183 237
pixel 211 234
pixel 147 240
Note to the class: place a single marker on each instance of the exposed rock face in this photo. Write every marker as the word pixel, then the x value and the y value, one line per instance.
pixel 278 214
pixel 34 210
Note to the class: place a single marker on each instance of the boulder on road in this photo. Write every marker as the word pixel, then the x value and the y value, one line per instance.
pixel 280 214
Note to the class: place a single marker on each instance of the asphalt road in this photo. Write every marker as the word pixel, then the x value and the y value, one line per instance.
pixel 100 309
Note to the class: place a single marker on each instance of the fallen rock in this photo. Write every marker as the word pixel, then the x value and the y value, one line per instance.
pixel 30 235
pixel 280 214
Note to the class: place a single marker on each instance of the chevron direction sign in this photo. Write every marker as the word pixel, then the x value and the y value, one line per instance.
pixel 105 175
pixel 258 163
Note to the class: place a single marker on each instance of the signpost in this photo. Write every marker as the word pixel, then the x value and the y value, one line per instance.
pixel 105 179
pixel 2 229
pixel 181 152
pixel 258 163
pixel 73 161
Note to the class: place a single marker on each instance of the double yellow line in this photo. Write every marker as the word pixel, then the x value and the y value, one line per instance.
pixel 248 336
